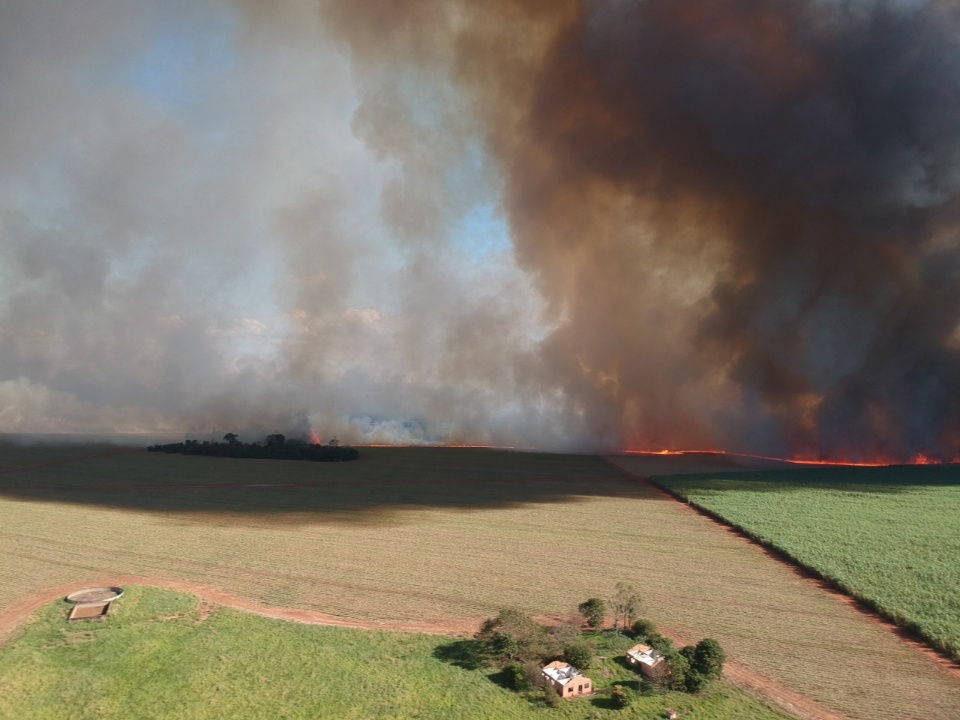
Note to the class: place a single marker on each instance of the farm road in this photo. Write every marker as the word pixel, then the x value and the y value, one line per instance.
pixel 757 685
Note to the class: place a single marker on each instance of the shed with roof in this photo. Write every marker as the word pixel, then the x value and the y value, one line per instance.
pixel 567 680
pixel 648 660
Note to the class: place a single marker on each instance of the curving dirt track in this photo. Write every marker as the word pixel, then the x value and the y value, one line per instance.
pixel 11 619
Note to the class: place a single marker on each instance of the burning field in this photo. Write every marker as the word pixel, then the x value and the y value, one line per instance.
pixel 559 224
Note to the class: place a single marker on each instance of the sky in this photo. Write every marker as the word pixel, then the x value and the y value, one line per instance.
pixel 573 225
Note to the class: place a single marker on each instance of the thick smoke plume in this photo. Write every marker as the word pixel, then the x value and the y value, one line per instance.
pixel 732 223
pixel 742 213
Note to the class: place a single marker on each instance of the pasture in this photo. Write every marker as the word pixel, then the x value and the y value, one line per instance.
pixel 409 534
pixel 157 657
pixel 889 536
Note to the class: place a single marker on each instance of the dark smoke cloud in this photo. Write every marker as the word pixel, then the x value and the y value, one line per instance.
pixel 733 222
pixel 742 213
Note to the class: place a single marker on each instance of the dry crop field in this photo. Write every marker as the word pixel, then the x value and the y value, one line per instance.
pixel 433 534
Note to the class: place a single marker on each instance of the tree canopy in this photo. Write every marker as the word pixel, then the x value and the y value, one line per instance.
pixel 593 611
pixel 625 605
pixel 514 635
pixel 275 447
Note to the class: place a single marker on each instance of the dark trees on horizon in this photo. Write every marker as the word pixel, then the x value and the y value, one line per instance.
pixel 277 447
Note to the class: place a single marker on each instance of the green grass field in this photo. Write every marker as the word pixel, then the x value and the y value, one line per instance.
pixel 889 536
pixel 154 658
pixel 432 534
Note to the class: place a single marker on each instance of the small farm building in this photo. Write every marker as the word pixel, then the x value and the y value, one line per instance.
pixel 649 661
pixel 567 680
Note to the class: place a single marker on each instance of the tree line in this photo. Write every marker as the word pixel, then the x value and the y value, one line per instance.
pixel 273 447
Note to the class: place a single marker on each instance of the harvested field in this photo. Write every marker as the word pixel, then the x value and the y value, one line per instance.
pixel 433 534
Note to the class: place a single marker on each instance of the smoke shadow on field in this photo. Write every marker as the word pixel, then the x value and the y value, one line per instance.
pixel 375 489
pixel 385 485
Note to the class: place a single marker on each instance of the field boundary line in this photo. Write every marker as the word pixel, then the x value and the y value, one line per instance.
pixel 17 615
pixel 810 574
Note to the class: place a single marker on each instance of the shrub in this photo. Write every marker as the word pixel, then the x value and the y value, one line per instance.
pixel 516 678
pixel 643 629
pixel 708 658
pixel 593 611
pixel 513 635
pixel 645 685
pixel 579 654
pixel 692 668
pixel 661 644
pixel 535 677
pixel 550 696
pixel 696 681
pixel 679 667
pixel 622 697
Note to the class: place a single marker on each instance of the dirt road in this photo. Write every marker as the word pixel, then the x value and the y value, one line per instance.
pixel 10 620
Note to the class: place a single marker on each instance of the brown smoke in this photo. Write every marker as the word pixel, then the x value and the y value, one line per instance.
pixel 732 222
pixel 740 212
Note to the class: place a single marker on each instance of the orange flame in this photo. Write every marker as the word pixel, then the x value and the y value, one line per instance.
pixel 920 459
pixel 314 438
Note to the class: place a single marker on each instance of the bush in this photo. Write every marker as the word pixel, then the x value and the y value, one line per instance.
pixel 535 676
pixel 593 611
pixel 694 667
pixel 579 654
pixel 696 681
pixel 550 696
pixel 515 675
pixel 645 685
pixel 708 658
pixel 513 635
pixel 643 629
pixel 622 697
pixel 661 644
pixel 679 667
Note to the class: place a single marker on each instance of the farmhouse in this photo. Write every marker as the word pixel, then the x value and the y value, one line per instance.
pixel 650 662
pixel 567 680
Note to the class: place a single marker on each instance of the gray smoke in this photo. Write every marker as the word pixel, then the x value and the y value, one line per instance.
pixel 731 222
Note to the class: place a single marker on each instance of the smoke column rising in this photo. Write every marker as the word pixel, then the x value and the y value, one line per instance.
pixel 731 222
pixel 742 213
